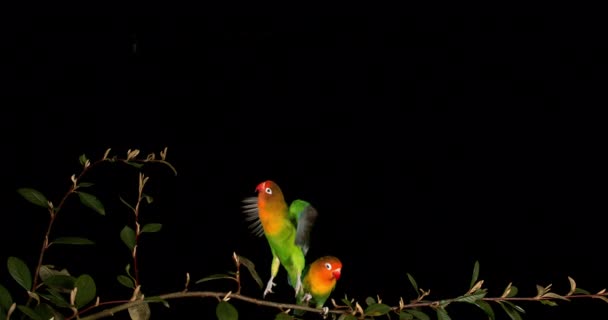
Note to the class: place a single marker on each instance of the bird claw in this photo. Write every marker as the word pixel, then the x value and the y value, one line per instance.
pixel 298 286
pixel 306 298
pixel 325 312
pixel 269 288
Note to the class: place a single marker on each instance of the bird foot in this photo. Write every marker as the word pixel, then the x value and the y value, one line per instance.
pixel 269 288
pixel 306 298
pixel 325 312
pixel 298 286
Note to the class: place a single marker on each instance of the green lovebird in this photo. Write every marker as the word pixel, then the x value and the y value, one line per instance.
pixel 287 230
pixel 320 278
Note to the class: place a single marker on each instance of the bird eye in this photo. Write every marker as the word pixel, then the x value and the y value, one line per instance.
pixel 268 190
pixel 328 266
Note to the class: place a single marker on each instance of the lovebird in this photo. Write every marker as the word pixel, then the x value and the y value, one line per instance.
pixel 287 230
pixel 320 278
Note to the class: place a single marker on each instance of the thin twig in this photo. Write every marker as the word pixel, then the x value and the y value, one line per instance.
pixel 142 181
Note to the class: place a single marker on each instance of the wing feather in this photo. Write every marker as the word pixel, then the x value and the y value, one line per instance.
pixel 304 215
pixel 250 208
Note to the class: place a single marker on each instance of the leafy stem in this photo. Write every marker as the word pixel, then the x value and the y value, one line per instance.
pixel 89 200
pixel 53 211
pixel 142 182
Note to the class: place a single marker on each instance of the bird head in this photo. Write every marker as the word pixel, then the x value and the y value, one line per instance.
pixel 269 191
pixel 331 266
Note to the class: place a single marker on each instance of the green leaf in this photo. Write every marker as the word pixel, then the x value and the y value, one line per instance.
pixel 92 202
pixel 29 312
pixel 540 290
pixel 34 295
pixel 581 291
pixel 34 196
pixel 140 312
pixel 151 227
pixel 510 311
pixel 128 271
pixel 405 316
pixel 475 274
pixel 377 309
pixel 126 204
pixel 56 298
pixel 48 270
pixel 128 237
pixel 85 184
pixel 126 281
pixel 470 298
pixel 513 292
pixel 486 308
pixel 347 317
pixel 20 272
pixel 554 296
pixel 72 240
pixel 549 303
pixel 169 165
pixel 60 281
pixel 135 164
pixel 413 282
pixel 442 314
pixel 148 198
pixel 6 300
pixel 251 267
pixel 346 301
pixel 443 303
pixel 157 299
pixel 283 316
pixel 215 277
pixel 225 311
pixel 47 312
pixel 369 301
pixel 86 290
pixel 418 314
pixel 514 306
pixel 83 159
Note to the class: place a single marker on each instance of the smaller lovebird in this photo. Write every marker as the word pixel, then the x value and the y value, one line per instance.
pixel 320 278
pixel 287 229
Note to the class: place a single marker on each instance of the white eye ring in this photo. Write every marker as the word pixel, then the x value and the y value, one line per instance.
pixel 328 266
pixel 268 190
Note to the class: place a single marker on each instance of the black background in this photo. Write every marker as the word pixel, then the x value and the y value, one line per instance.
pixel 426 143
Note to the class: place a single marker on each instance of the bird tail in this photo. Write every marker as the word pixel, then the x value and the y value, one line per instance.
pixel 300 302
pixel 302 299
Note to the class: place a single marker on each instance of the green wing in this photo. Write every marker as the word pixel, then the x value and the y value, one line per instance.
pixel 303 216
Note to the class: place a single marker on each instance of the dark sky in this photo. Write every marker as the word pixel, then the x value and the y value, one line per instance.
pixel 426 143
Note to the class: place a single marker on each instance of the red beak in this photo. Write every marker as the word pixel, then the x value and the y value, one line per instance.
pixel 336 273
pixel 260 187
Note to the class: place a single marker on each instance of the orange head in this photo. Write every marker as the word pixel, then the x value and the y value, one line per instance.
pixel 328 268
pixel 267 191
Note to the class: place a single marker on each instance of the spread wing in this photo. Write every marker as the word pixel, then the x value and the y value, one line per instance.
pixel 250 208
pixel 303 215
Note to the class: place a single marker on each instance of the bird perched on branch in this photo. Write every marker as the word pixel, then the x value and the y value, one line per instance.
pixel 287 229
pixel 319 280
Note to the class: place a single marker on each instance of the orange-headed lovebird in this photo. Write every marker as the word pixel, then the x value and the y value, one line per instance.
pixel 319 281
pixel 287 230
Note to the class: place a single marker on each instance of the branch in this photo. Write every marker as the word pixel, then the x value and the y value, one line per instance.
pixel 140 197
pixel 202 294
pixel 284 306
